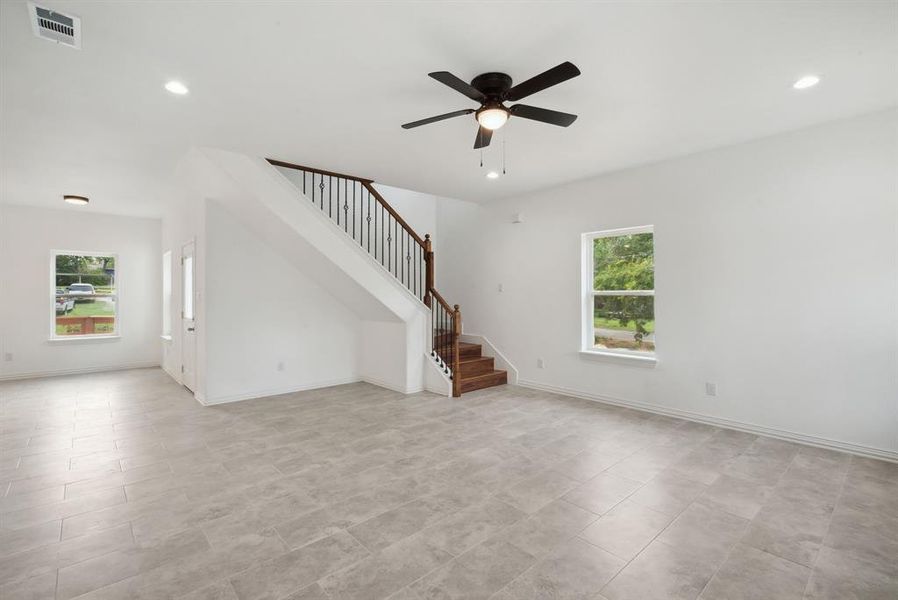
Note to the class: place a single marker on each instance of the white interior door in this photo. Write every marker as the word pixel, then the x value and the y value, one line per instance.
pixel 188 316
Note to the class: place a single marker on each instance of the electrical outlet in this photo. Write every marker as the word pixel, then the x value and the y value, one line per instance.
pixel 7 357
pixel 710 388
pixel 281 366
pixel 501 288
pixel 540 363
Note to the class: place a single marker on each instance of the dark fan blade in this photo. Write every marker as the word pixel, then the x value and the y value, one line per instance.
pixel 544 115
pixel 457 113
pixel 483 138
pixel 447 78
pixel 553 76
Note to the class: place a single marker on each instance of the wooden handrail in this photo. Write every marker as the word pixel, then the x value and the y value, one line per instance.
pixel 442 301
pixel 288 165
pixel 368 183
pixel 408 228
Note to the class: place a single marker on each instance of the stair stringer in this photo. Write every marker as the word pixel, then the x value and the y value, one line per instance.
pixel 489 349
pixel 271 206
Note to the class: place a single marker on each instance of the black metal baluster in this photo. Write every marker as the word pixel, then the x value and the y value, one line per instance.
pixel 304 182
pixel 330 197
pixel 321 193
pixel 368 218
pixel 346 212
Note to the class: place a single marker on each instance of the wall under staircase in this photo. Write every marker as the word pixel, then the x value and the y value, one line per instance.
pixel 380 317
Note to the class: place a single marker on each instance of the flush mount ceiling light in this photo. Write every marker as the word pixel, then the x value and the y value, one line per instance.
pixel 492 117
pixel 176 87
pixel 808 81
pixel 78 200
pixel 492 175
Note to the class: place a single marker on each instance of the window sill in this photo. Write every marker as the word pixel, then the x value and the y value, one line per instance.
pixel 165 338
pixel 633 360
pixel 83 338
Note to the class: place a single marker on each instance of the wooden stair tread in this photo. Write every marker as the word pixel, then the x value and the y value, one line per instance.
pixel 464 358
pixel 492 373
pixel 477 382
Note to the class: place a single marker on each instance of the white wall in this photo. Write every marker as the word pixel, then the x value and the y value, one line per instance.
pixel 262 312
pixel 776 278
pixel 417 208
pixel 27 237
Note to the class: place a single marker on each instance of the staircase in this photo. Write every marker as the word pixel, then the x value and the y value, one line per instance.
pixel 477 371
pixel 356 207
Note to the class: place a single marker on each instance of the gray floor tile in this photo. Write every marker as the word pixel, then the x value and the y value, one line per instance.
pixel 602 492
pixel 299 568
pixel 839 576
pixel 574 571
pixel 473 525
pixel 669 493
pixel 120 485
pixel 476 574
pixel 740 497
pixel 386 572
pixel 626 529
pixel 752 574
pixel 535 492
pixel 661 572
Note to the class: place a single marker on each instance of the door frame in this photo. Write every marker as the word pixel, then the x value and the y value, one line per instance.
pixel 183 321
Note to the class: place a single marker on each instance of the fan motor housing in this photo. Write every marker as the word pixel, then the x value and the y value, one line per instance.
pixel 493 85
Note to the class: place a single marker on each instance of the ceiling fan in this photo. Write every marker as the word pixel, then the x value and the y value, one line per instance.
pixel 493 89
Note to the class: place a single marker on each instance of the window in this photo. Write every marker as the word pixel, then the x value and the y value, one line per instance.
pixel 166 294
pixel 85 302
pixel 619 284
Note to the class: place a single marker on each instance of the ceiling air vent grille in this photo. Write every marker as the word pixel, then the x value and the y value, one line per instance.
pixel 55 26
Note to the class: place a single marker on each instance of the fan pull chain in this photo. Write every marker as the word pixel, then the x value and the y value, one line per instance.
pixel 503 153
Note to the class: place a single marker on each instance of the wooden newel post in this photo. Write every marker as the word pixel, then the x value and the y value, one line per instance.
pixel 428 260
pixel 456 359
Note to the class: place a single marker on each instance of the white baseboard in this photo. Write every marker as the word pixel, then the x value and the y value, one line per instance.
pixel 173 375
pixel 81 371
pixel 390 386
pixel 789 436
pixel 298 388
pixel 273 391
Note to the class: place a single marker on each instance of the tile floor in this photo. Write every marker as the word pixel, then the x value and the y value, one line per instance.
pixel 119 485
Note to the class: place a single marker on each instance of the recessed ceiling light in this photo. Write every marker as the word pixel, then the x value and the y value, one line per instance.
pixel 806 82
pixel 492 175
pixel 176 87
pixel 79 200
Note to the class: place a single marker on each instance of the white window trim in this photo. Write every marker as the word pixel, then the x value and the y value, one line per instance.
pixel 116 333
pixel 587 294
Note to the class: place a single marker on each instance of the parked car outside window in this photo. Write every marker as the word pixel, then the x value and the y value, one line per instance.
pixel 82 292
pixel 63 304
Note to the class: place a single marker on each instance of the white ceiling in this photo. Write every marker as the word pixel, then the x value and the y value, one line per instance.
pixel 328 84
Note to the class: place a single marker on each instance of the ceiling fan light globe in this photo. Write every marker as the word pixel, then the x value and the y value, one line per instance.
pixel 492 118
